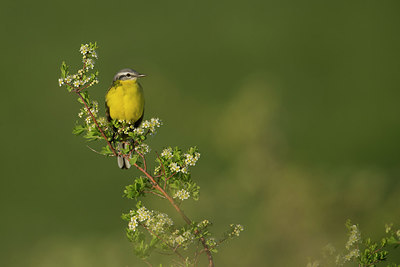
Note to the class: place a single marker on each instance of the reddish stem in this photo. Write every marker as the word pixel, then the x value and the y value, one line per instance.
pixel 185 218
pixel 95 121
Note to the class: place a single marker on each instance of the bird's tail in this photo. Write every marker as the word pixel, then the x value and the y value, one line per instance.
pixel 123 162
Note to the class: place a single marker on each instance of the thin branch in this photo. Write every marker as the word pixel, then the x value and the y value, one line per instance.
pixel 144 160
pixel 162 240
pixel 95 151
pixel 148 263
pixel 177 208
pixel 159 195
pixel 163 171
pixel 95 121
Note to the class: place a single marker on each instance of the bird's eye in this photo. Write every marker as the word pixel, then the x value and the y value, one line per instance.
pixel 128 75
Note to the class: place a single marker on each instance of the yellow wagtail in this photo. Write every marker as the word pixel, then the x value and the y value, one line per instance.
pixel 125 102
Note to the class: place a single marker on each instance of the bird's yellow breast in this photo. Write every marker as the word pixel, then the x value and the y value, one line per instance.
pixel 125 101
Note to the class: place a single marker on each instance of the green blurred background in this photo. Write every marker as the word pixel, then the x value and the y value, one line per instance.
pixel 293 104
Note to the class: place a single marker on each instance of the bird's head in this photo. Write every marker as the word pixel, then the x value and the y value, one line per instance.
pixel 127 74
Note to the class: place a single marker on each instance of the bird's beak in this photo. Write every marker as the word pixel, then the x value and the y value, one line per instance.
pixel 141 75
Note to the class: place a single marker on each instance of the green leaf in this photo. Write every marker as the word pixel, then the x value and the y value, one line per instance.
pixel 134 159
pixel 64 70
pixel 392 240
pixel 78 129
pixel 105 150
pixel 136 189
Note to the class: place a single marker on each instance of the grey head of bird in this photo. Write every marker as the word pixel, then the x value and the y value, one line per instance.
pixel 127 74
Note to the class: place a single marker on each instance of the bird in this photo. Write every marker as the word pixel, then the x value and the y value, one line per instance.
pixel 125 102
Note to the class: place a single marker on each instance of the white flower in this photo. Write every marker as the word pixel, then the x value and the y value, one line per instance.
pixel 143 214
pixel 133 223
pixel 60 82
pixel 167 153
pixel 151 125
pixel 191 160
pixel 68 79
pixel 174 167
pixel 158 222
pixel 88 120
pixel 84 49
pixel 143 148
pixel 76 83
pixel 179 240
pixel 354 236
pixel 139 131
pixel 184 169
pixel 89 64
pixel 182 194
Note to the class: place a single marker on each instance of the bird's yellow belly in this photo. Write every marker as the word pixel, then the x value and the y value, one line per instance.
pixel 126 101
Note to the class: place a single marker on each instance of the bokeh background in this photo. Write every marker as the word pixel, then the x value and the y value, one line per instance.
pixel 293 104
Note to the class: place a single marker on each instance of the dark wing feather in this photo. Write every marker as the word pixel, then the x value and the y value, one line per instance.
pixel 107 107
pixel 139 121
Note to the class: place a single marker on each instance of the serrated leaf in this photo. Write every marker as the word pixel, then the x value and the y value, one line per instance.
pixel 78 129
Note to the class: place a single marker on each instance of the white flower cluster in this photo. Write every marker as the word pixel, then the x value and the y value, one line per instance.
pixel 159 222
pixel 354 237
pixel 167 153
pixel 143 214
pixel 150 125
pixel 155 221
pixel 354 252
pixel 184 169
pixel 126 127
pixel 133 223
pixel 182 194
pixel 236 229
pixel 184 237
pixel 94 110
pixel 191 160
pixel 77 80
pixel 87 50
pixel 203 224
pixel 178 239
pixel 143 148
pixel 174 167
pixel 102 121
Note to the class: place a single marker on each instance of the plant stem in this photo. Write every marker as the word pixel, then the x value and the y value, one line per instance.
pixel 95 121
pixel 185 218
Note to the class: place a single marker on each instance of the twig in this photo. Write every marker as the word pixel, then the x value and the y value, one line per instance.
pixel 144 160
pixel 185 218
pixel 95 151
pixel 159 195
pixel 148 263
pixel 163 171
pixel 95 121
pixel 162 240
